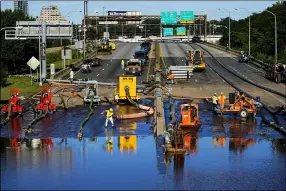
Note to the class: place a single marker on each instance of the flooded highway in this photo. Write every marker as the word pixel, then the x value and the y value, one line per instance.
pixel 225 153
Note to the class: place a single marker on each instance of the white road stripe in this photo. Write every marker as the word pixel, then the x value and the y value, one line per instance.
pixel 97 74
pixel 275 97
pixel 196 80
pixel 102 68
pixel 201 88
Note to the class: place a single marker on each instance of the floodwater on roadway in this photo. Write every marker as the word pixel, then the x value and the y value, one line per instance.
pixel 226 153
pixel 130 162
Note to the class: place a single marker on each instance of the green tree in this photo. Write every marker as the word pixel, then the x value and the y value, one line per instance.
pixel 15 53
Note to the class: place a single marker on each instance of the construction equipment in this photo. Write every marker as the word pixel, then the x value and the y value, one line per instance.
pixel 14 105
pixel 276 73
pixel 126 81
pixel 46 101
pixel 241 104
pixel 190 116
pixel 92 92
pixel 104 47
pixel 134 67
pixel 195 58
pixel 112 45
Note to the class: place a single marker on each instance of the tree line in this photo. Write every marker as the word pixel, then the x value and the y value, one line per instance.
pixel 262 34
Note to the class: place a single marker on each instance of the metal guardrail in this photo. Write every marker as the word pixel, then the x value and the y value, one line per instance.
pixel 89 82
pixel 66 70
pixel 256 62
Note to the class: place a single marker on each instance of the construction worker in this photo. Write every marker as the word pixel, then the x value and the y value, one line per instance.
pixel 116 98
pixel 171 77
pixel 221 101
pixel 215 100
pixel 71 76
pixel 109 114
pixel 122 64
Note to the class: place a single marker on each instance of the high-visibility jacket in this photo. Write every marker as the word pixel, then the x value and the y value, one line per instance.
pixel 122 62
pixel 71 74
pixel 221 99
pixel 171 76
pixel 108 113
pixel 215 99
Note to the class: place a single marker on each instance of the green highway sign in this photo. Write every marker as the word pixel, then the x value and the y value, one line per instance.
pixel 168 31
pixel 187 17
pixel 181 31
pixel 169 17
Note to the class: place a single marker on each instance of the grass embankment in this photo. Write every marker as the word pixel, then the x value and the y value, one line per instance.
pixel 59 64
pixel 22 83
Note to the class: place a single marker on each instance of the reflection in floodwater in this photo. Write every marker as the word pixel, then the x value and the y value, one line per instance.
pixel 127 143
pixel 109 140
pixel 16 127
pixel 63 163
pixel 218 141
pixel 242 127
pixel 240 144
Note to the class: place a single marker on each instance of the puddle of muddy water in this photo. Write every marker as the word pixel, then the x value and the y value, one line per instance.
pixel 131 162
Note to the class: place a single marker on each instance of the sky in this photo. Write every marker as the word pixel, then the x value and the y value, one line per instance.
pixel 148 7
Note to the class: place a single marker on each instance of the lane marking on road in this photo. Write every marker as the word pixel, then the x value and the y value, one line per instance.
pixel 97 74
pixel 196 80
pixel 102 68
pixel 76 72
pixel 107 64
pixel 110 60
pixel 249 66
pixel 275 97
pixel 113 57
pixel 201 88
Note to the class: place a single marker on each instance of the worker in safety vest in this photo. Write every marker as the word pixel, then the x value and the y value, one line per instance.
pixel 122 64
pixel 214 101
pixel 116 98
pixel 109 115
pixel 221 100
pixel 71 76
pixel 171 77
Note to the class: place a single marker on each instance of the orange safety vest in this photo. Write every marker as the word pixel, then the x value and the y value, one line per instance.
pixel 171 76
pixel 221 99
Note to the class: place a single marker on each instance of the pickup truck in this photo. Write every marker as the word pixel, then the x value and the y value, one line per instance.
pixel 141 55
pixel 134 67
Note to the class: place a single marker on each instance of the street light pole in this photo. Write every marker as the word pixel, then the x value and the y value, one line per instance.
pixel 228 26
pixel 275 34
pixel 248 29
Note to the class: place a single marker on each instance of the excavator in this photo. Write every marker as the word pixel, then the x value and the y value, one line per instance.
pixel 195 58
pixel 104 47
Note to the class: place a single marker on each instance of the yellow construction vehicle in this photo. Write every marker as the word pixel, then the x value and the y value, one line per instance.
pixel 195 58
pixel 104 47
pixel 112 45
pixel 126 81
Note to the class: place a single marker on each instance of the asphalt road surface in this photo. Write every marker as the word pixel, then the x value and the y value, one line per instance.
pixel 110 67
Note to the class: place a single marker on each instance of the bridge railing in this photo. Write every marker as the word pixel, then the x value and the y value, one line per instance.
pixel 256 62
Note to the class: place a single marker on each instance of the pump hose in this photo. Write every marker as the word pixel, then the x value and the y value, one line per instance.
pixel 80 134
pixel 38 118
pixel 271 123
pixel 8 116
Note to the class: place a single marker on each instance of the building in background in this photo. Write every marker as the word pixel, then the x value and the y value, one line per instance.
pixel 21 5
pixel 50 14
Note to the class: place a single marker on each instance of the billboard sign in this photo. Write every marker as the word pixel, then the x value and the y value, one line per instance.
pixel 181 31
pixel 187 17
pixel 117 13
pixel 169 17
pixel 168 31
